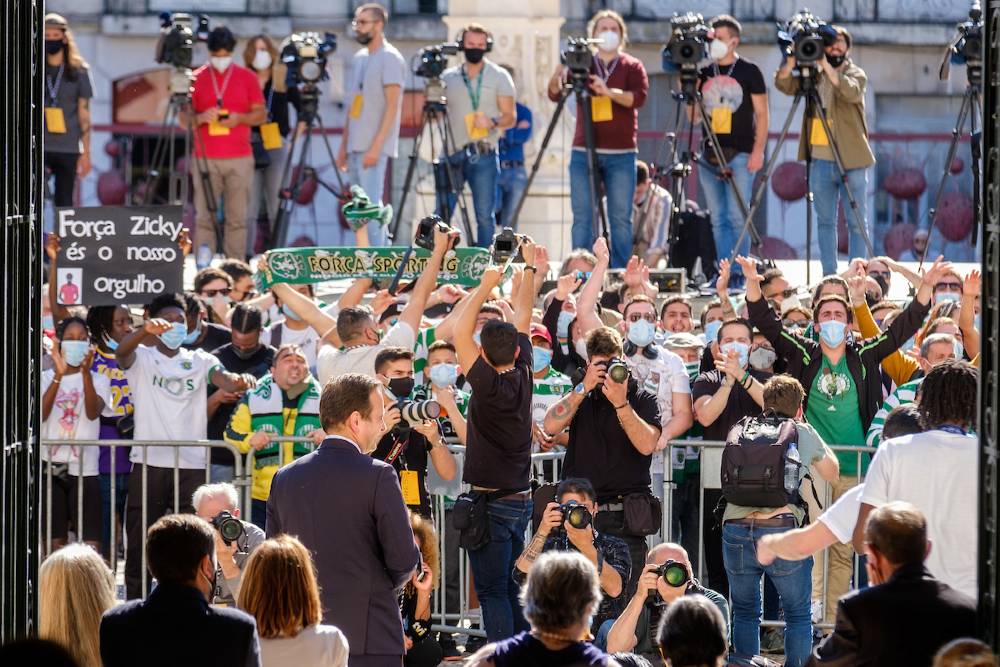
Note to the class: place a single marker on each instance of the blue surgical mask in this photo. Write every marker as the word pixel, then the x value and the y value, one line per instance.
pixel 832 332
pixel 48 322
pixel 443 375
pixel 110 343
pixel 191 337
pixel 174 337
pixel 641 333
pixel 73 351
pixel 712 331
pixel 959 351
pixel 978 321
pixel 540 359
pixel 562 326
pixel 742 350
pixel 941 297
pixel 289 313
pixel 477 338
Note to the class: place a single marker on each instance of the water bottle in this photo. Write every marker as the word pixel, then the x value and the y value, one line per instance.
pixel 792 463
pixel 204 258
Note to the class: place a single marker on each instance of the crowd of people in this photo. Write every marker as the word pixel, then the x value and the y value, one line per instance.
pixel 344 411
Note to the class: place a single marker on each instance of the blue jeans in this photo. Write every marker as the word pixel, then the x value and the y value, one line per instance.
pixel 482 173
pixel 617 172
pixel 492 566
pixel 827 189
pixel 372 181
pixel 792 579
pixel 727 218
pixel 121 493
pixel 510 187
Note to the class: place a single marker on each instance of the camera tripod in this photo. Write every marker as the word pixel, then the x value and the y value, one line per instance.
pixel 814 109
pixel 291 181
pixel 434 118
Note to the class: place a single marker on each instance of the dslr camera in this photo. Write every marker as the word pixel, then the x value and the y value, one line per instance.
pixel 688 43
pixel 805 37
pixel 674 573
pixel 230 528
pixel 506 244
pixel 425 232
pixel 576 514
pixel 617 369
pixel 305 55
pixel 578 58
pixel 414 412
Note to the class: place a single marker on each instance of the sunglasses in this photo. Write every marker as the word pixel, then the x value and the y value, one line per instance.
pixel 880 274
pixel 951 287
pixel 635 317
pixel 210 293
pixel 582 275
pixel 793 324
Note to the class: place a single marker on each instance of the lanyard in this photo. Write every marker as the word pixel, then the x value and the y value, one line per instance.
pixel 54 89
pixel 731 67
pixel 225 84
pixel 954 430
pixel 605 71
pixel 474 97
pixel 270 96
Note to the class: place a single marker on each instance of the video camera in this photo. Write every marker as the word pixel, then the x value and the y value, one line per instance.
pixel 576 514
pixel 506 244
pixel 432 59
pixel 305 54
pixel 425 232
pixel 968 46
pixel 230 528
pixel 175 47
pixel 688 43
pixel 578 58
pixel 805 37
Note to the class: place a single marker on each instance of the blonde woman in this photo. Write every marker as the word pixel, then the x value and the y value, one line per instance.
pixel 422 649
pixel 75 589
pixel 279 589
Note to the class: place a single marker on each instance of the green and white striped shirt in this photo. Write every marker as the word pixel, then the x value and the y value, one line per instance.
pixel 424 339
pixel 546 392
pixel 904 394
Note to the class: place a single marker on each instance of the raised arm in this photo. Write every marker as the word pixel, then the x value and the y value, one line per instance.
pixel 414 310
pixel 125 354
pixel 586 305
pixel 59 311
pixel 465 346
pixel 967 313
pixel 304 307
pixel 526 294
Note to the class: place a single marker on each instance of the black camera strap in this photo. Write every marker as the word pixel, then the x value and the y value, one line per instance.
pixel 398 447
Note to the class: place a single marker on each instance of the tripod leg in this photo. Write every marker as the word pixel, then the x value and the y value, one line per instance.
pixel 287 193
pixel 411 170
pixel 975 148
pixel 333 159
pixel 549 131
pixel 458 192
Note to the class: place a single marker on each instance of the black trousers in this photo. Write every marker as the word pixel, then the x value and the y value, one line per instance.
pixel 159 502
pixel 613 523
pixel 63 167
pixel 66 509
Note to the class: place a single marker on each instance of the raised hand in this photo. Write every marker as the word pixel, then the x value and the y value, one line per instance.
pixel 567 285
pixel 528 251
pixel 52 247
pixel 856 288
pixel 749 268
pixel 59 364
pixel 938 270
pixel 633 272
pixel 157 326
pixel 973 285
pixel 601 251
pixel 491 277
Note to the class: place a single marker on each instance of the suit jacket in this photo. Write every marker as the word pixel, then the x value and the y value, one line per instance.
pixel 176 626
pixel 347 508
pixel 902 622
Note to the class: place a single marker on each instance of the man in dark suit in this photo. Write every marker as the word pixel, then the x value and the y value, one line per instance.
pixel 348 509
pixel 175 625
pixel 907 615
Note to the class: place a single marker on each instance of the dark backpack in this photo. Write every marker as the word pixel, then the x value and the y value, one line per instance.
pixel 753 462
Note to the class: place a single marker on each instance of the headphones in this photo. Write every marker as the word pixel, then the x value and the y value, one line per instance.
pixel 460 38
pixel 650 351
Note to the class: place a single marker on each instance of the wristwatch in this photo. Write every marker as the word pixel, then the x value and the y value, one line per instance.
pixel 579 389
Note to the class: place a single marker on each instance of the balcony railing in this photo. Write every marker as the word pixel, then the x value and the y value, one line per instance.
pixel 397 8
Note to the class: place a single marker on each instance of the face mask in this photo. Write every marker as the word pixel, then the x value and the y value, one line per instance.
pixel 401 387
pixel 884 284
pixel 74 351
pixel 978 321
pixel 261 60
pixel 959 351
pixel 53 46
pixel 244 353
pixel 477 338
pixel 692 369
pixel 362 38
pixel 444 375
pixel 742 351
pixel 221 63
pixel 540 359
pixel 174 337
pixel 609 40
pixel 48 322
pixel 762 358
pixel 289 313
pixel 835 61
pixel 562 325
pixel 641 333
pixel 908 345
pixel 110 343
pixel 581 348
pixel 474 56
pixel 717 49
pixel 712 331
pixel 941 297
pixel 832 332
pixel 190 338
pixel 212 582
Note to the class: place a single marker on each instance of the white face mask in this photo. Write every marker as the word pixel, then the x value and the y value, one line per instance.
pixel 221 63
pixel 717 49
pixel 581 347
pixel 609 40
pixel 261 60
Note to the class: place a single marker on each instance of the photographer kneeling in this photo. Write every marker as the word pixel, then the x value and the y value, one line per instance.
pixel 666 578
pixel 568 525
pixel 219 505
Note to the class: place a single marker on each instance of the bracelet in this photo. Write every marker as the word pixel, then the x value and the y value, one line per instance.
pixel 619 407
pixel 531 268
pixel 743 379
pixel 56 380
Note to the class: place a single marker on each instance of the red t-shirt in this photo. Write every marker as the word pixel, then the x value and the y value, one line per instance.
pixel 240 91
pixel 619 133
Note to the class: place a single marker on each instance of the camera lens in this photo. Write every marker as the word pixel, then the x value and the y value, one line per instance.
pixel 675 574
pixel 578 516
pixel 310 71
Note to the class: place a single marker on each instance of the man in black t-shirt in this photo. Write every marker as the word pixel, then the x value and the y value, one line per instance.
pixel 613 431
pixel 735 98
pixel 498 456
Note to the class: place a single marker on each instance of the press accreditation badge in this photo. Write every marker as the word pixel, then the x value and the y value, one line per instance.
pixel 475 133
pixel 270 136
pixel 217 129
pixel 55 122
pixel 600 109
pixel 722 120
pixel 817 135
pixel 411 487
pixel 356 105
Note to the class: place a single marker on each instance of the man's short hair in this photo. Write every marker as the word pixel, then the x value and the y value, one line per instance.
pixel 175 547
pixel 562 590
pixel 221 38
pixel 206 491
pixel 289 348
pixel 638 298
pixel 833 298
pixel 783 394
pixel 801 310
pixel 499 341
pixel 726 21
pixel 604 342
pixel 714 303
pixel 965 652
pixel 164 301
pixel 676 298
pixel 934 339
pixel 478 28
pixel 734 321
pixel 579 253
pixel 842 31
pixel 692 632
pixel 577 485
pixel 828 280
pixel 389 355
pixel 441 345
pixel 343 396
pixel 898 531
pixel 236 268
pixel 885 305
pixel 493 310
pixel 770 276
pixel 207 275
pixel 950 394
pixel 246 318
pixel 641 172
pixel 902 420
pixel 381 13
pixel 353 320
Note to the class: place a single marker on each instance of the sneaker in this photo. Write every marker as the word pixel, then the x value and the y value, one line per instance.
pixel 449 648
pixel 772 641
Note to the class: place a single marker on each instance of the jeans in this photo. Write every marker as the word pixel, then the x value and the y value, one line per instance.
pixel 827 188
pixel 492 565
pixel 727 218
pixel 686 516
pixel 121 493
pixel 221 473
pixel 482 173
pixel 372 181
pixel 792 579
pixel 510 188
pixel 617 172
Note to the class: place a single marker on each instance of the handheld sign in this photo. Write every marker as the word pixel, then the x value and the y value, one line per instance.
pixel 118 254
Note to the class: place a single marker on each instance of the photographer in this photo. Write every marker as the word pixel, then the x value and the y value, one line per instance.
pixel 841 86
pixel 635 629
pixel 480 107
pixel 619 86
pixel 227 101
pixel 375 92
pixel 613 431
pixel 560 530
pixel 209 502
pixel 735 97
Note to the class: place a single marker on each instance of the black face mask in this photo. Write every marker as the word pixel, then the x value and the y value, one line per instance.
pixel 883 283
pixel 244 353
pixel 474 56
pixel 401 387
pixel 835 61
pixel 362 38
pixel 53 46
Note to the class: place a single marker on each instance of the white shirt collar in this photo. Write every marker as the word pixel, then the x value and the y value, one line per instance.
pixel 340 437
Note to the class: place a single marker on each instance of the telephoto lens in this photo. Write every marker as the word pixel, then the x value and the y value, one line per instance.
pixel 618 370
pixel 414 412
pixel 674 573
pixel 230 528
pixel 576 514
